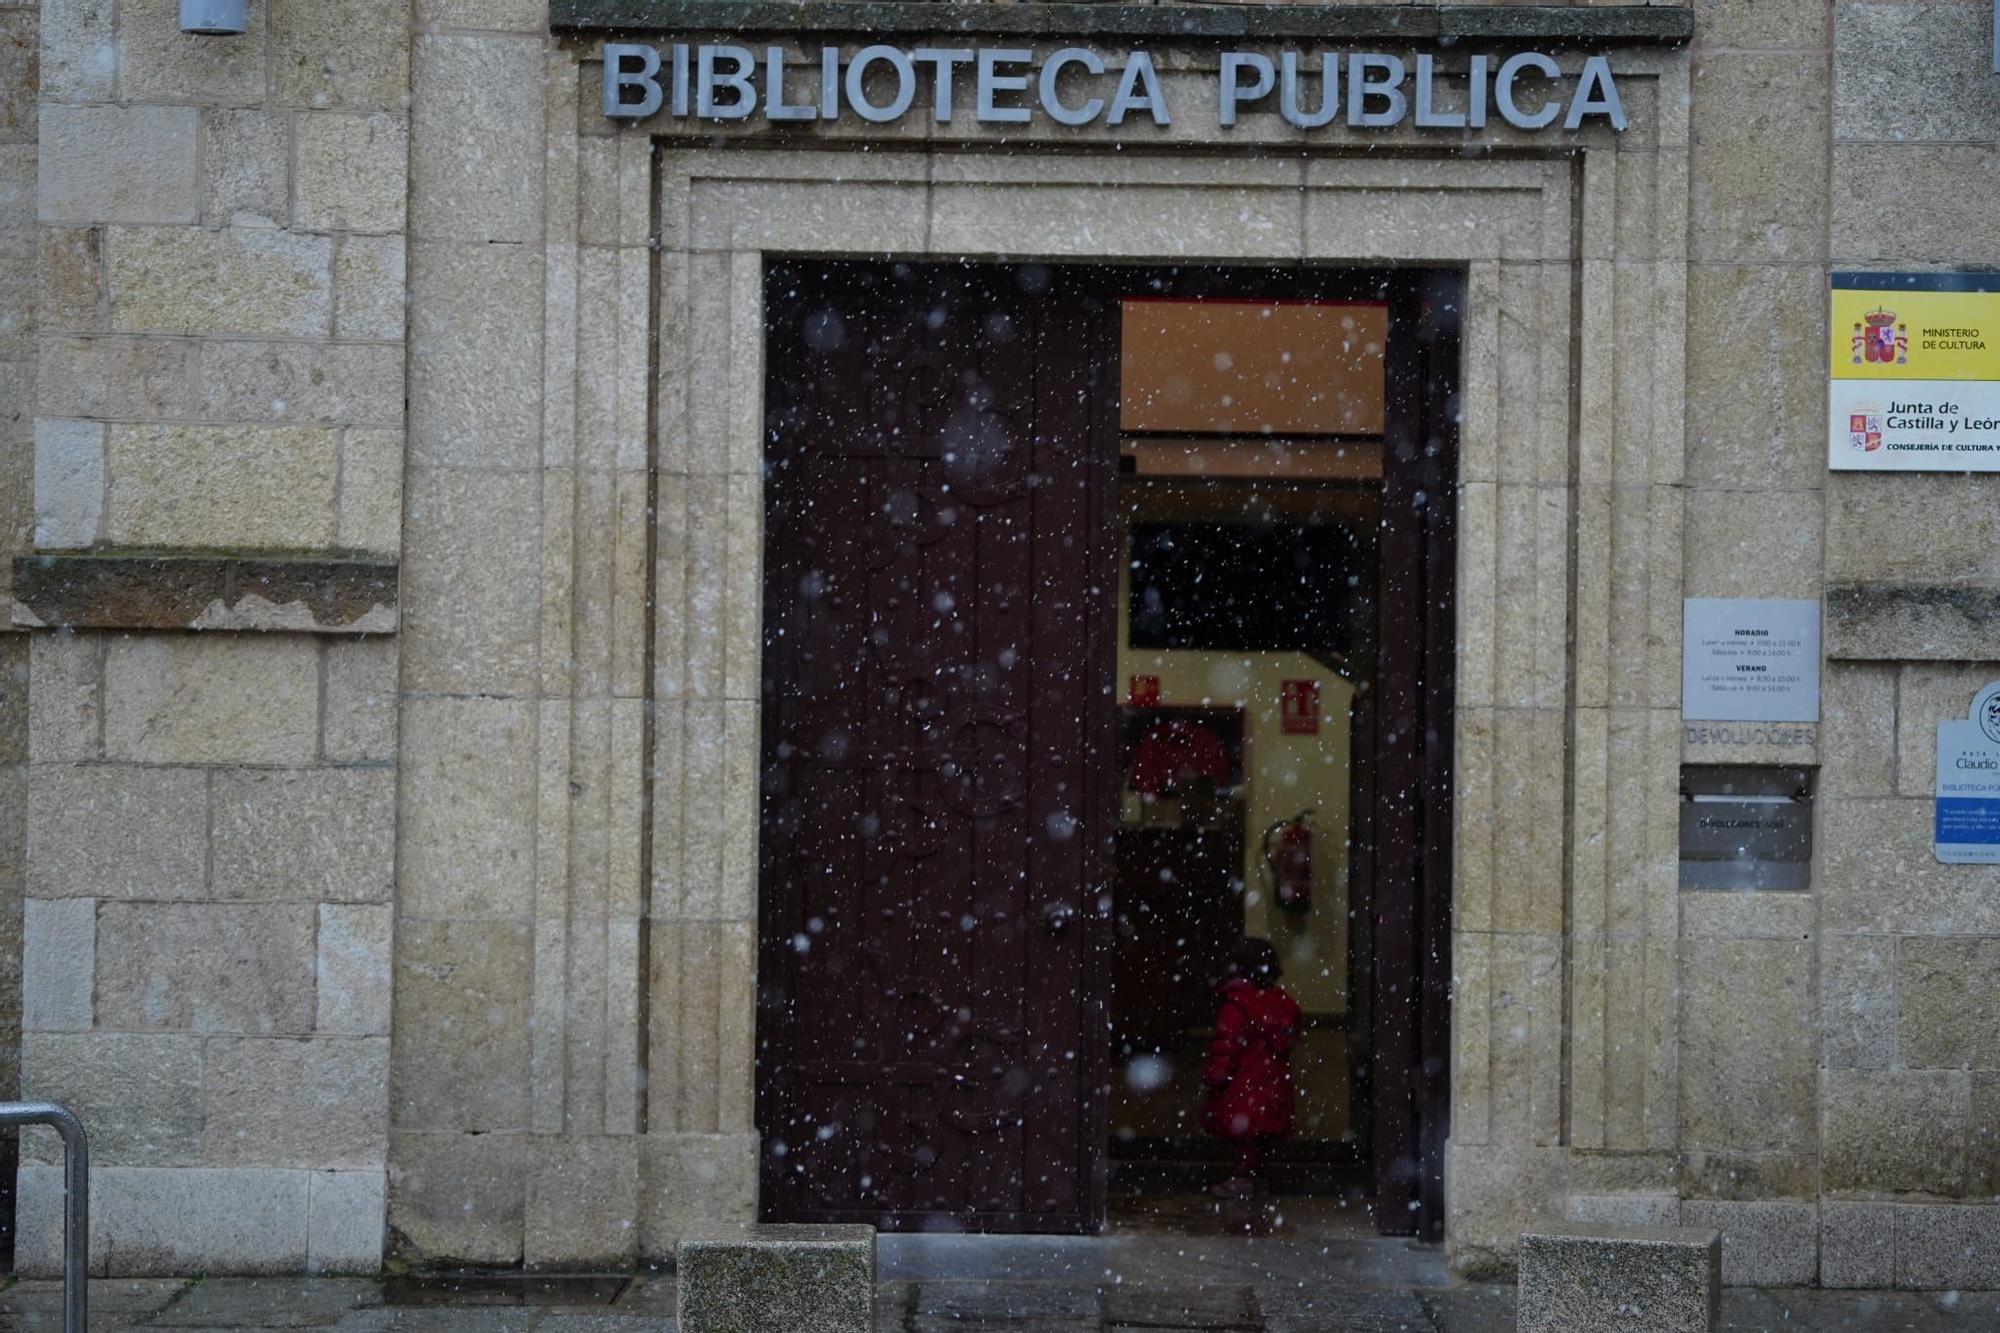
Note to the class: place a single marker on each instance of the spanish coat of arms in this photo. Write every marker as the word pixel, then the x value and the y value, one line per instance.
pixel 1883 341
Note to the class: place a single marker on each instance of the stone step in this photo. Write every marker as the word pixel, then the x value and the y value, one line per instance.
pixel 1580 1277
pixel 777 1278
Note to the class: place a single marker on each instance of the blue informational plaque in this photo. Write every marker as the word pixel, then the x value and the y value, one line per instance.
pixel 1967 827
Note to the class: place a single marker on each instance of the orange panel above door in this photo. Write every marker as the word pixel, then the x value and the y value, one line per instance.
pixel 1252 367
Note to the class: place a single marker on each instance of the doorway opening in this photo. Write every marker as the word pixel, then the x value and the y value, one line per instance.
pixel 1108 623
pixel 1250 434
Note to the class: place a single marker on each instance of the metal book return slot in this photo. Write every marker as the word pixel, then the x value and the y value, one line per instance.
pixel 1746 828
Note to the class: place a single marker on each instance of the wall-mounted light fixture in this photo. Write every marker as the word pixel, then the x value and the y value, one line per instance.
pixel 214 18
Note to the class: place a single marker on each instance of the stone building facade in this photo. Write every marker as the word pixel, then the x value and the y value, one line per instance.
pixel 381 481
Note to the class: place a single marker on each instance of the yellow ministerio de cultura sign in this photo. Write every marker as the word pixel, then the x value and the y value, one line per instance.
pixel 1914 373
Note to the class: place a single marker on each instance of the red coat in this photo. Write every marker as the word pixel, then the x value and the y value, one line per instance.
pixel 1249 1067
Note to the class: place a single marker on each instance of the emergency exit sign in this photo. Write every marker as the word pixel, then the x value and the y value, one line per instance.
pixel 1298 708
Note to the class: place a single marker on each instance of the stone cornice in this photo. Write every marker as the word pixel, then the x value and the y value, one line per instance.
pixel 172 591
pixel 1560 25
pixel 1912 622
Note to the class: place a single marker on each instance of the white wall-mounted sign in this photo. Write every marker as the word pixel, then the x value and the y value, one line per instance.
pixel 1966 829
pixel 1075 86
pixel 1748 659
pixel 1914 373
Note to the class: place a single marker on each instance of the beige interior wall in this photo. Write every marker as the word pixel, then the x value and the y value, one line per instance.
pixel 1286 774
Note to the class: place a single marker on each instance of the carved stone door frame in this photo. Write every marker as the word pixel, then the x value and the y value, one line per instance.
pixel 1572 436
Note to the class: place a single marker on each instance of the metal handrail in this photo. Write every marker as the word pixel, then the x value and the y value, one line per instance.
pixel 76 1192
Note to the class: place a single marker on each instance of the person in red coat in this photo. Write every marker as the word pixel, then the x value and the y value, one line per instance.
pixel 1249 1071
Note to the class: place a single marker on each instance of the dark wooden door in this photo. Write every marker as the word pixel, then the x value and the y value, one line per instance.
pixel 938 597
pixel 1411 829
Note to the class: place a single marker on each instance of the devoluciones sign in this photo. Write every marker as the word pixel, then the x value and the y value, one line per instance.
pixel 1074 86
pixel 1914 383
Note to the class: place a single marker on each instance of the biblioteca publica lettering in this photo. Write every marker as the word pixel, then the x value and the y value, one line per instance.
pixel 1074 86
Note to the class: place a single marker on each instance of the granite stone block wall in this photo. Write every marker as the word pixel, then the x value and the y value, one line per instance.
pixel 438 942
pixel 1835 1118
pixel 20 59
pixel 210 852
pixel 220 360
pixel 1747 1128
pixel 207 817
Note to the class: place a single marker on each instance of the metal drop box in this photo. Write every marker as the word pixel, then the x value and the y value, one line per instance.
pixel 1746 829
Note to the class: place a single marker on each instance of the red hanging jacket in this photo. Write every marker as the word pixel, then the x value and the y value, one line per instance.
pixel 1249 1067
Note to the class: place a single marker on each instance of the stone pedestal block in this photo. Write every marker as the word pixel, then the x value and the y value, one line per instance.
pixel 777 1279
pixel 1585 1278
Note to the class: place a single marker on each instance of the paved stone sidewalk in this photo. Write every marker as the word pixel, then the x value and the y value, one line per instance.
pixel 966 1284
pixel 949 1306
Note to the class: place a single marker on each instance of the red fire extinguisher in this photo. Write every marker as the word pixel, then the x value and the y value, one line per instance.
pixel 1290 862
